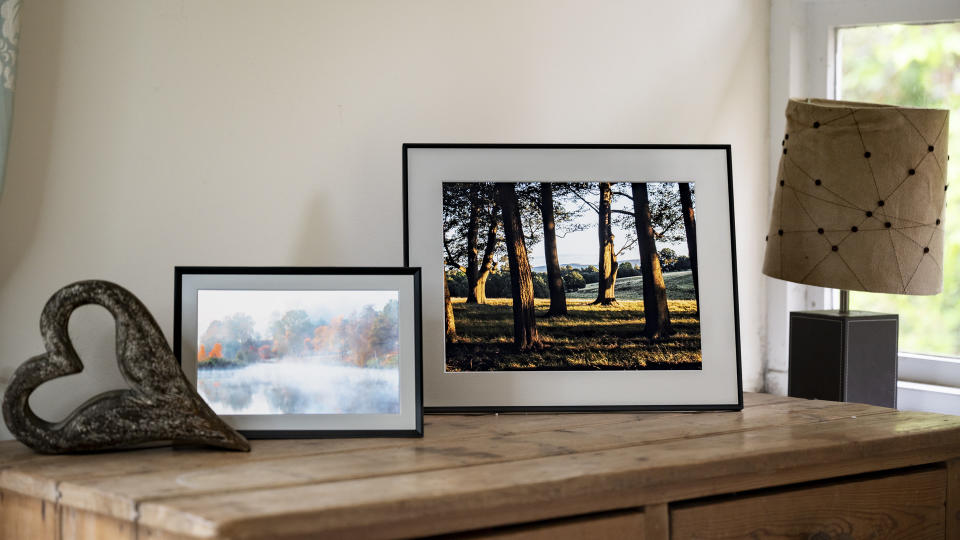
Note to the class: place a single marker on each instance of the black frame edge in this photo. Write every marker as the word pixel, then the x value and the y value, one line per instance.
pixel 406 211
pixel 177 308
pixel 736 279
pixel 583 409
pixel 331 434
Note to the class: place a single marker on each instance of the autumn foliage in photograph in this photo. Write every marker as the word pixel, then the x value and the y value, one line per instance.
pixel 366 338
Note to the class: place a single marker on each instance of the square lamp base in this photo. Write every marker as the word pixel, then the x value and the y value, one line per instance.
pixel 844 357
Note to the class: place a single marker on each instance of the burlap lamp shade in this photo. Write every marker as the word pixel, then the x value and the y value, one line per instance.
pixel 859 198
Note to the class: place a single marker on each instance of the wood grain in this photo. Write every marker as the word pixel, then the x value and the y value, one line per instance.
pixel 953 498
pixel 628 524
pixel 39 475
pixel 476 472
pixel 17 458
pixel 79 525
pixel 149 533
pixel 657 517
pixel 903 507
pixel 491 495
pixel 440 426
pixel 24 517
pixel 13 454
pixel 118 495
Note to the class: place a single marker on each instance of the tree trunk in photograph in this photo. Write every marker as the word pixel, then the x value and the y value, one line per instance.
pixel 521 280
pixel 472 233
pixel 608 258
pixel 690 227
pixel 558 298
pixel 479 289
pixel 451 332
pixel 655 311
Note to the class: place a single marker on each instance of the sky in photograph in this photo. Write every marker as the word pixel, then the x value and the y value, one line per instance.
pixel 267 306
pixel 582 247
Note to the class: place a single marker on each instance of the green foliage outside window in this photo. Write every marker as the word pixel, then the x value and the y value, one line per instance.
pixel 917 66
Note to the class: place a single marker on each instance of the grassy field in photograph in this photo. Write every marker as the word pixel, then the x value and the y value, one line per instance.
pixel 588 338
pixel 679 287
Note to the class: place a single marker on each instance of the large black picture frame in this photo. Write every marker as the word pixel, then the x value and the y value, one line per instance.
pixel 406 280
pixel 426 166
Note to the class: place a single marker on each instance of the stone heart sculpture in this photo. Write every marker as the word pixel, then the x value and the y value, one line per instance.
pixel 161 404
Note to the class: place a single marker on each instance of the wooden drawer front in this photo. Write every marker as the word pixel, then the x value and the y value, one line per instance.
pixel 26 517
pixel 613 525
pixel 899 506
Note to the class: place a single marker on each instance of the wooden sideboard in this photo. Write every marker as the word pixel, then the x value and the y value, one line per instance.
pixel 783 468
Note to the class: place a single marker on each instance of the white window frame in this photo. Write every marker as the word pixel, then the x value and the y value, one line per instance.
pixel 803 47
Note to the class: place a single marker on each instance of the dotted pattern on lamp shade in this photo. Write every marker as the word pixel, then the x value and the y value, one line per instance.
pixel 860 195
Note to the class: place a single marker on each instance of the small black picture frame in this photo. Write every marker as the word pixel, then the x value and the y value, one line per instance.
pixel 304 352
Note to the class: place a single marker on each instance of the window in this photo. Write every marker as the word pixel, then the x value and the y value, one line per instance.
pixel 916 65
pixel 894 52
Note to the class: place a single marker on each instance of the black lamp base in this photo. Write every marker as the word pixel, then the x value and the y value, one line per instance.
pixel 848 356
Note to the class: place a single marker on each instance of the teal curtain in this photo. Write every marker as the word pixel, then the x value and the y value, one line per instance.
pixel 9 37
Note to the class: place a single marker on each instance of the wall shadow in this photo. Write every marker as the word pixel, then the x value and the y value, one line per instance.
pixel 34 113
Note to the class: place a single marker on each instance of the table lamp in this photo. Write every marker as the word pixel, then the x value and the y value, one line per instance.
pixel 859 206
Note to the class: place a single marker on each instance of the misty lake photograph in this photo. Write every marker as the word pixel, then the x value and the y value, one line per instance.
pixel 298 352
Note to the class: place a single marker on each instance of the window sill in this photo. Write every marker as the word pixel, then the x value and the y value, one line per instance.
pixel 913 396
pixel 928 383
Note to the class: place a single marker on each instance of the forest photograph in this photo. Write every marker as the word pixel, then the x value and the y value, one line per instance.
pixel 570 276
pixel 298 352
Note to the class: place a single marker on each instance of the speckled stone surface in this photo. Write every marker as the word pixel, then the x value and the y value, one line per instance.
pixel 161 404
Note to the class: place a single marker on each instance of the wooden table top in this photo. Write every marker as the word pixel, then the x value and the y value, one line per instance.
pixel 478 471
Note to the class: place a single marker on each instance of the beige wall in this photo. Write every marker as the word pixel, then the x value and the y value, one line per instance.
pixel 224 132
